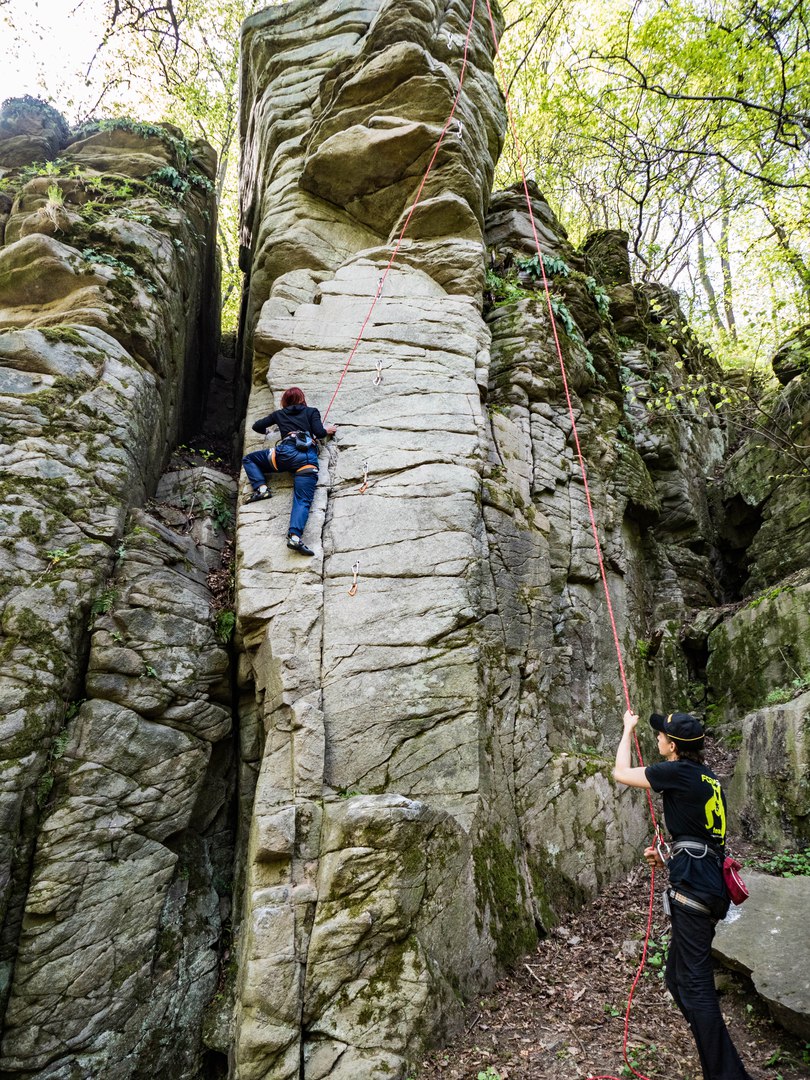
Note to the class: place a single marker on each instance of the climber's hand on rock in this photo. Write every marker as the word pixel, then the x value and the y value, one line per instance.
pixel 331 429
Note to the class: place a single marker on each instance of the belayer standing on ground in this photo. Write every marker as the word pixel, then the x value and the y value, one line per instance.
pixel 695 815
pixel 296 452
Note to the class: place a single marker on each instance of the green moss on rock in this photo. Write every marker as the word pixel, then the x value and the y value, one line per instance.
pixel 761 648
pixel 68 335
pixel 554 892
pixel 502 897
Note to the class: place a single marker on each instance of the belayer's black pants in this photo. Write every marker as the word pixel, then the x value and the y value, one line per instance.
pixel 690 980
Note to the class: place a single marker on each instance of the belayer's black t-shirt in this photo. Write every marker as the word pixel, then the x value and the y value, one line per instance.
pixel 694 802
pixel 694 809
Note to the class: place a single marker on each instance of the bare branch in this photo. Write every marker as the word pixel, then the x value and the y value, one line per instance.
pixel 542 28
pixel 140 15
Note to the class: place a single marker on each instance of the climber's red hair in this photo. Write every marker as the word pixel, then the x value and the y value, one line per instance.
pixel 293 396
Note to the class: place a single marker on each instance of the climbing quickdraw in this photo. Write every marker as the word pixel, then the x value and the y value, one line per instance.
pixel 364 486
pixel 355 572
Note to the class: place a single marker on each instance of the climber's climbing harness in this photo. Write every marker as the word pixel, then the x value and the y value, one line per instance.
pixel 364 486
pixel 355 572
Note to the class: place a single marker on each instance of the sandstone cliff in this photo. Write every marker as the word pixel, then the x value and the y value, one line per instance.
pixel 368 709
pixel 431 753
pixel 299 855
pixel 113 767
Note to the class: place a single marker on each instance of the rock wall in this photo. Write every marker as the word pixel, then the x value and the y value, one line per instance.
pixel 392 791
pixel 112 785
pixel 555 691
pixel 770 789
pixel 758 666
pixel 430 755
pixel 367 709
pixel 117 963
pixel 766 509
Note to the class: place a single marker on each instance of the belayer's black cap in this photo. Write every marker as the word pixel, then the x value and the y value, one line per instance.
pixel 680 726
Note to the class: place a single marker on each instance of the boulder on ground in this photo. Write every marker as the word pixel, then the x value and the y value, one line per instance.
pixel 770 943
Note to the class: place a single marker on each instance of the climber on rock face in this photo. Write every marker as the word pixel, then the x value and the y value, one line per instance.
pixel 695 815
pixel 296 452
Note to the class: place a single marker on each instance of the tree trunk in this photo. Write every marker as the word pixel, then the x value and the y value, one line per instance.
pixel 725 261
pixel 795 260
pixel 706 281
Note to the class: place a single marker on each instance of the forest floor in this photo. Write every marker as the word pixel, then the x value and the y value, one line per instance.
pixel 559 1014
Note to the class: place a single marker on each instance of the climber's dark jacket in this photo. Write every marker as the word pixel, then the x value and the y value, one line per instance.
pixel 293 418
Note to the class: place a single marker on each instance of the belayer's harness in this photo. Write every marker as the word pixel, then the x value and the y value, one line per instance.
pixel 684 901
pixel 736 888
pixel 696 849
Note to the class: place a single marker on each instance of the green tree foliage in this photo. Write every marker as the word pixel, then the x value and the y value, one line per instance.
pixel 185 60
pixel 686 122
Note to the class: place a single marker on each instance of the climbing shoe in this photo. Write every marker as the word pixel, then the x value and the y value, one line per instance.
pixel 257 496
pixel 298 545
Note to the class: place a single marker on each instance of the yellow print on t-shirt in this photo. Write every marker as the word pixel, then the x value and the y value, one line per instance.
pixel 715 811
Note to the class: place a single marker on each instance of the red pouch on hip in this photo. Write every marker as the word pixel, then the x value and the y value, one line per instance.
pixel 735 886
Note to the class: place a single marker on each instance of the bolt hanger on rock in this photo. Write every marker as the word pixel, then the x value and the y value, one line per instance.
pixel 364 486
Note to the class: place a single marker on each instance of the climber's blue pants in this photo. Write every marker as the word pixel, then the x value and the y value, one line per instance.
pixel 303 464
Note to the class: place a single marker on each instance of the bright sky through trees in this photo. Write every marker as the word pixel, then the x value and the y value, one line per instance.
pixel 48 46
pixel 685 122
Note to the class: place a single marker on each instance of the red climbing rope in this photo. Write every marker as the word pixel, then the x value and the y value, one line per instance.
pixel 571 414
pixel 574 431
pixel 411 212
pixel 594 530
